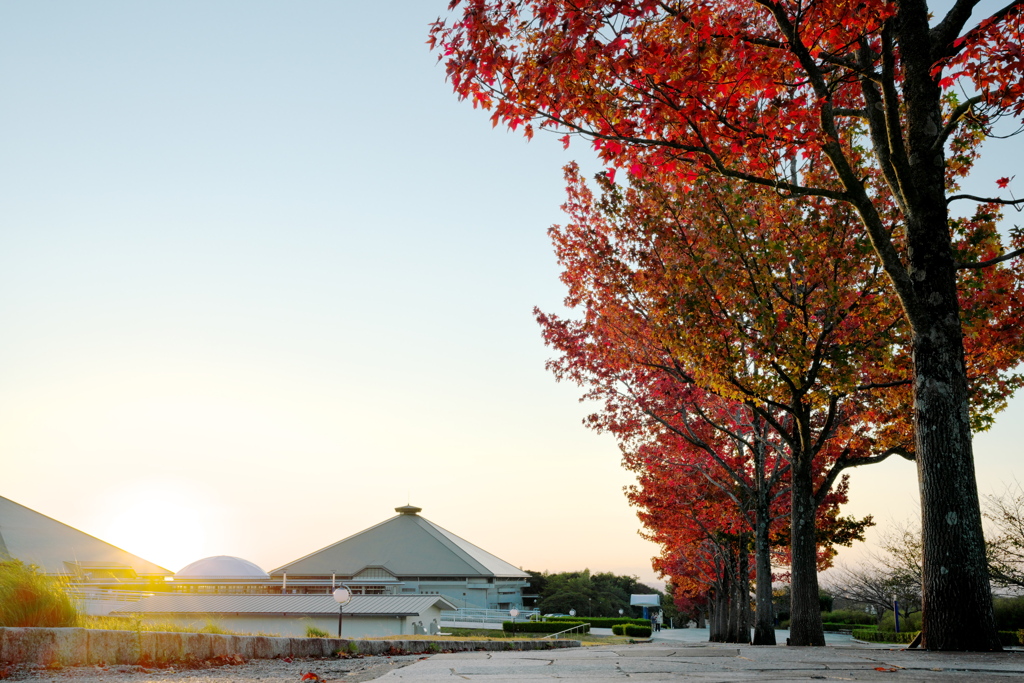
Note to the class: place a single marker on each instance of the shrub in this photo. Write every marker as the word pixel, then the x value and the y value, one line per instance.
pixel 28 598
pixel 871 636
pixel 911 623
pixel 632 630
pixel 1009 613
pixel 906 637
pixel 845 626
pixel 848 616
pixel 603 622
pixel 541 626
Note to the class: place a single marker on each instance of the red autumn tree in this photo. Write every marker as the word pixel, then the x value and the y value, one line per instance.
pixel 704 540
pixel 704 521
pixel 693 307
pixel 759 91
pixel 692 434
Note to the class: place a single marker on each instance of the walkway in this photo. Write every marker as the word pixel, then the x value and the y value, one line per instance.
pixel 685 654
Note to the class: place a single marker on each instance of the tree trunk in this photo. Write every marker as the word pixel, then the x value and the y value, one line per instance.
pixel 719 611
pixel 956 596
pixel 743 590
pixel 701 623
pixel 805 627
pixel 764 624
pixel 732 632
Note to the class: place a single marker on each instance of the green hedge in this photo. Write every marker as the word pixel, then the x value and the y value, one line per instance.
pixel 541 626
pixel 836 626
pixel 632 630
pixel 1006 638
pixel 604 622
pixel 849 616
pixel 872 636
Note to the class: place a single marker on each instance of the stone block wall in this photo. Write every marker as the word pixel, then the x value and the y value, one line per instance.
pixel 60 647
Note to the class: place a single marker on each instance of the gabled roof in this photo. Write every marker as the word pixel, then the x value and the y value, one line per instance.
pixel 57 548
pixel 286 605
pixel 406 545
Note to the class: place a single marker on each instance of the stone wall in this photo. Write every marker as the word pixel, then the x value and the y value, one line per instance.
pixel 88 647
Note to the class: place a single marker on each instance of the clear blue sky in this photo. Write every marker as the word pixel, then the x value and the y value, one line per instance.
pixel 263 278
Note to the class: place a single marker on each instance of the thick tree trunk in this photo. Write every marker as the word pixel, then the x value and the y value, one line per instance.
pixel 805 627
pixel 957 599
pixel 701 622
pixel 764 624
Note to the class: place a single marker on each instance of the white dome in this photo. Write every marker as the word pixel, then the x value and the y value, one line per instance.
pixel 221 567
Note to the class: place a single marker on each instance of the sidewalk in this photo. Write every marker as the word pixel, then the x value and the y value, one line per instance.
pixel 677 656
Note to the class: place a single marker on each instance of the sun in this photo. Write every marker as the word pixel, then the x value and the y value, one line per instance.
pixel 161 522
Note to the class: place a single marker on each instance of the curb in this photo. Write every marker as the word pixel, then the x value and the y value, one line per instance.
pixel 57 647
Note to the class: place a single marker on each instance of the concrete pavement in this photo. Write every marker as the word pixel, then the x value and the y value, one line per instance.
pixel 681 655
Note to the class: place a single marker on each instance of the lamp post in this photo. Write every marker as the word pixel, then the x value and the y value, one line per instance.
pixel 513 613
pixel 342 596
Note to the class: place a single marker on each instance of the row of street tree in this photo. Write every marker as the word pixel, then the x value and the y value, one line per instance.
pixel 777 282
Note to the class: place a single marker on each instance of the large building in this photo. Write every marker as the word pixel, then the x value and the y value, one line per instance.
pixel 60 550
pixel 401 572
pixel 408 554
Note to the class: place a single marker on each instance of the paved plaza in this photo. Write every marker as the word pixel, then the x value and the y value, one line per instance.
pixel 685 654
pixel 680 655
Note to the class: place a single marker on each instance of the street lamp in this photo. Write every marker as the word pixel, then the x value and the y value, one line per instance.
pixel 513 613
pixel 342 596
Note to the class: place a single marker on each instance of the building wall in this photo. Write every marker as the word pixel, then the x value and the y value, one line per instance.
pixel 353 627
pixel 472 594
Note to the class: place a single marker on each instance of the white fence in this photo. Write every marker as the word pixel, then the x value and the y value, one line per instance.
pixel 99 602
pixel 481 618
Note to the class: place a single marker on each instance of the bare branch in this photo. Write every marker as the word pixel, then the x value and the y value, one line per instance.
pixel 990 262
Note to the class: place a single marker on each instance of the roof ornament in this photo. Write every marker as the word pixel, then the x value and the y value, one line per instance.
pixel 408 509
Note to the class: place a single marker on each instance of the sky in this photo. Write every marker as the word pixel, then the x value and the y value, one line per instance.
pixel 263 279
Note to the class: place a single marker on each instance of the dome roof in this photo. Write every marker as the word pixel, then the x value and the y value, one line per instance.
pixel 221 567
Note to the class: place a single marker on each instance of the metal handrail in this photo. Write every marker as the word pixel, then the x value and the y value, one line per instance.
pixel 481 616
pixel 577 626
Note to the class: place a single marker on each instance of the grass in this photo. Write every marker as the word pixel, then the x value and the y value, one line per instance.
pixel 28 598
pixel 314 632
pixel 135 623
pixel 485 634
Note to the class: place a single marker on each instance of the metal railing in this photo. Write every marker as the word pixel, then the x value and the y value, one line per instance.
pixel 483 616
pixel 99 602
pixel 582 628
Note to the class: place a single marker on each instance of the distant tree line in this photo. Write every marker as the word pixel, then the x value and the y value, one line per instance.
pixel 600 594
